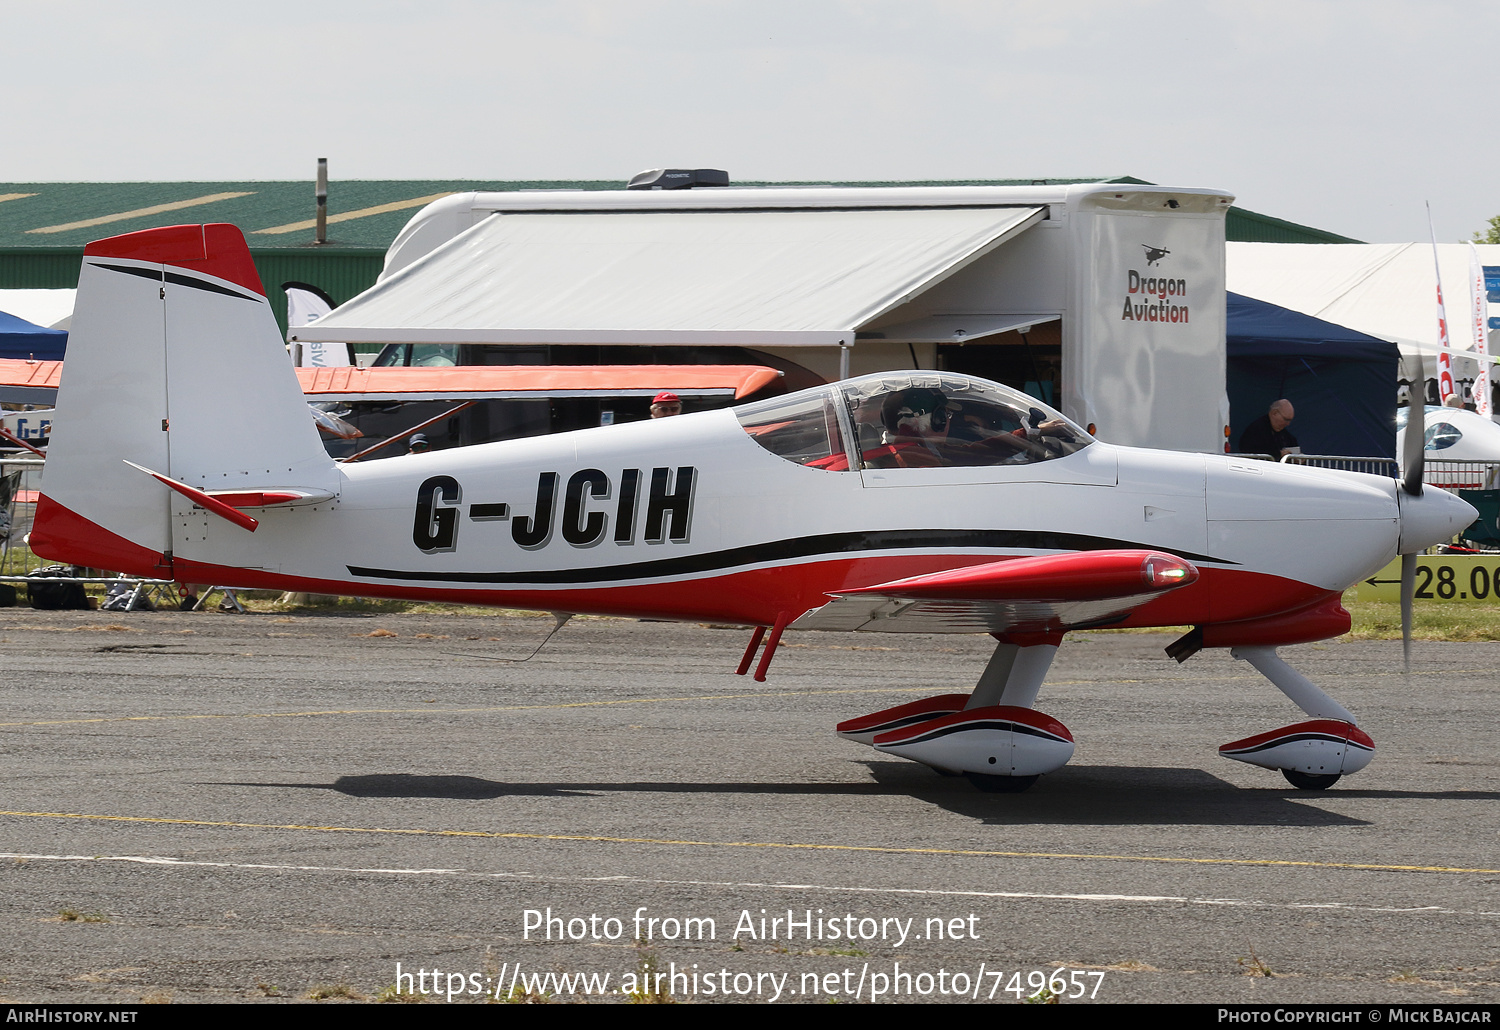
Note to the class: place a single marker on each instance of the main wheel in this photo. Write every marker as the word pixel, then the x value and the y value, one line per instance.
pixel 1004 784
pixel 1309 781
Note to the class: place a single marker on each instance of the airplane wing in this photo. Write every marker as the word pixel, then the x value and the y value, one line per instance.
pixel 1050 593
pixel 531 382
pixel 29 382
pixel 35 382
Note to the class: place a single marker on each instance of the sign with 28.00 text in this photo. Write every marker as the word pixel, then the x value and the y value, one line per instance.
pixel 1459 578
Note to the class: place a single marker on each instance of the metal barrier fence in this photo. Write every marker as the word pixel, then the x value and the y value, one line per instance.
pixel 1462 475
pixel 20 477
pixel 1450 475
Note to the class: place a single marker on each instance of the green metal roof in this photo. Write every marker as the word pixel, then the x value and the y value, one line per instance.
pixel 1243 226
pixel 44 225
pixel 363 215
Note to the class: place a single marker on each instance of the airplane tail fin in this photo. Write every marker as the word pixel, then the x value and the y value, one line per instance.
pixel 174 365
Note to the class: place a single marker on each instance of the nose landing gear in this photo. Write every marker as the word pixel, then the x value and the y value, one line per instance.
pixel 1312 755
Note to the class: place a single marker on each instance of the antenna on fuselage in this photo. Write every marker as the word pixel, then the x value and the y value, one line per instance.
pixel 560 619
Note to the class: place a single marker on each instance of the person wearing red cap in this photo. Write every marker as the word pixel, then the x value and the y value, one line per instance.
pixel 664 404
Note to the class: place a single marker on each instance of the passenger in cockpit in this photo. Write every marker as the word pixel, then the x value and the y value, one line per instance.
pixel 920 413
pixel 914 425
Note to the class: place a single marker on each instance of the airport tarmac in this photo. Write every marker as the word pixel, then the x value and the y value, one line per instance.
pixel 205 807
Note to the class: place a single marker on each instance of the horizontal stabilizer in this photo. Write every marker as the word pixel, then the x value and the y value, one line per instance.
pixel 270 497
pixel 225 511
pixel 226 503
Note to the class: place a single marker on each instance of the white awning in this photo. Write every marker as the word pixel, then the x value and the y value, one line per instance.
pixel 955 328
pixel 769 278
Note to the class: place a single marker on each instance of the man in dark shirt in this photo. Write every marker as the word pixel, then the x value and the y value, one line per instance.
pixel 1267 434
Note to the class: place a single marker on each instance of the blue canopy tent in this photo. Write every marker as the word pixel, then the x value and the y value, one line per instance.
pixel 20 339
pixel 1342 383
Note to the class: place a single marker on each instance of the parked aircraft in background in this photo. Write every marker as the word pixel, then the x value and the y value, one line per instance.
pixel 500 401
pixel 31 426
pixel 898 502
pixel 29 382
pixel 1453 434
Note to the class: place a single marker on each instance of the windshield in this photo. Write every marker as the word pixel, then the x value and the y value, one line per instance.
pixel 1441 435
pixel 911 420
pixel 935 419
pixel 801 427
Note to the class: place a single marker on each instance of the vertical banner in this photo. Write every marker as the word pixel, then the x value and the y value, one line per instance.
pixel 1480 316
pixel 1444 362
pixel 305 304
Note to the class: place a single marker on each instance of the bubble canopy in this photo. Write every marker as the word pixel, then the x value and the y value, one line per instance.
pixel 910 420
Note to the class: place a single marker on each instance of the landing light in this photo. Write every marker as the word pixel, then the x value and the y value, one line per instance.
pixel 1160 570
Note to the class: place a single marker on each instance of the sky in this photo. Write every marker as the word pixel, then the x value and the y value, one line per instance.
pixel 1346 116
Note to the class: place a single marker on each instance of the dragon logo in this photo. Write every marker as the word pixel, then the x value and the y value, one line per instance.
pixel 1154 254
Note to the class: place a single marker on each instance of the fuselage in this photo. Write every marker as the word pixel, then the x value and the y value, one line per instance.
pixel 756 514
pixel 691 518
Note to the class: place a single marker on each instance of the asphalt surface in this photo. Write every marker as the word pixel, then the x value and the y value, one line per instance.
pixel 204 807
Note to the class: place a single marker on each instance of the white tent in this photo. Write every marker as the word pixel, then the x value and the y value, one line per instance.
pixel 50 308
pixel 1388 290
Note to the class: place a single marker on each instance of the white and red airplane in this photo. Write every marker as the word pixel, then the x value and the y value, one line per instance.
pixel 1455 435
pixel 898 502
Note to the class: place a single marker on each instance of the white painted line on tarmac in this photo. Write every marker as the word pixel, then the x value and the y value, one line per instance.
pixel 1135 899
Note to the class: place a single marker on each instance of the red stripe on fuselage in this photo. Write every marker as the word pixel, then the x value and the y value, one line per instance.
pixel 755 597
pixel 61 534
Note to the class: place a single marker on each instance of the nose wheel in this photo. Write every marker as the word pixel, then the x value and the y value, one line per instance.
pixel 1313 754
pixel 1309 781
pixel 1004 784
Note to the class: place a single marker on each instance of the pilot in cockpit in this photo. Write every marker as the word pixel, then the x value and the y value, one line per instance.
pixel 905 428
pixel 1006 433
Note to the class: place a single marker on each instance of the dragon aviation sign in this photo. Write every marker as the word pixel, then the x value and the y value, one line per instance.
pixel 1154 298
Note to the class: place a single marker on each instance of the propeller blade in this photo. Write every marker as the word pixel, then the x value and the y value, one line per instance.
pixel 1412 455
pixel 1408 592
